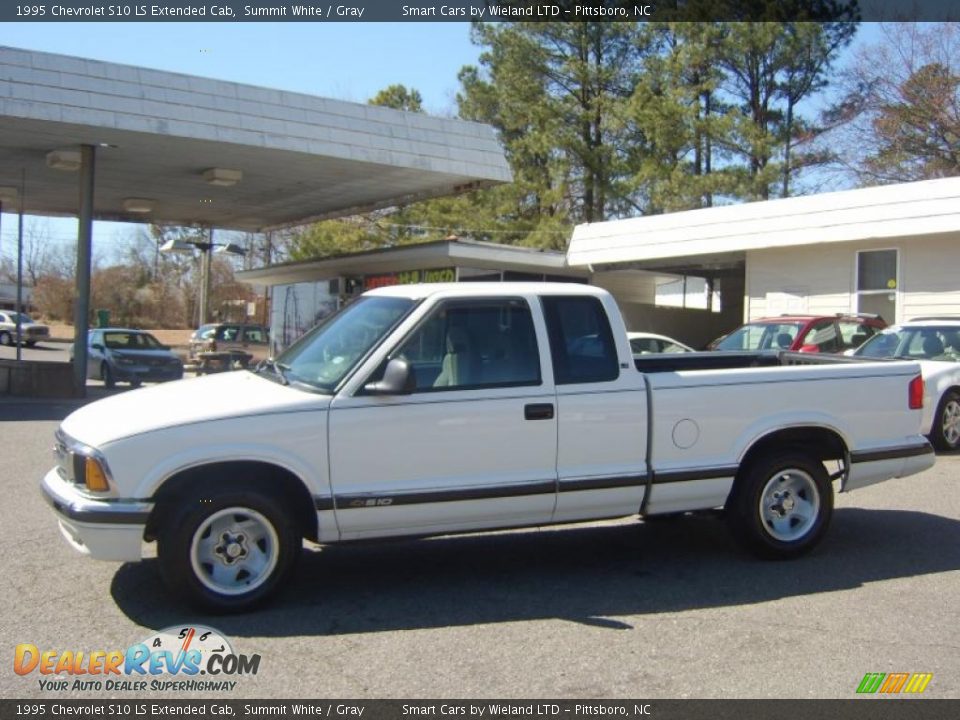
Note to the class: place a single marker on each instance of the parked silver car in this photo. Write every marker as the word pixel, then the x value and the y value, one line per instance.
pixel 134 356
pixel 30 330
pixel 934 343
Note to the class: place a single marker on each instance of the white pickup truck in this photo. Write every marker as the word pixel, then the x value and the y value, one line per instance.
pixel 431 409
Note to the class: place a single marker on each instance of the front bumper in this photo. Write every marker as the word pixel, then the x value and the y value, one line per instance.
pixel 103 529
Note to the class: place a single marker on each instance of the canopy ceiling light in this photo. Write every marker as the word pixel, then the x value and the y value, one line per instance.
pixel 177 246
pixel 138 205
pixel 222 176
pixel 231 249
pixel 64 160
pixel 8 194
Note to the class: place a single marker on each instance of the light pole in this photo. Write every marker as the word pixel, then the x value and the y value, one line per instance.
pixel 206 248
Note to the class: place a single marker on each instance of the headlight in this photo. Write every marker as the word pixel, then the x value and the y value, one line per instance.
pixel 81 464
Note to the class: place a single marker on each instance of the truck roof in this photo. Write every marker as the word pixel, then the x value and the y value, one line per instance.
pixel 494 289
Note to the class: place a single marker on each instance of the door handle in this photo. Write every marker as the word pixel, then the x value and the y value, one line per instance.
pixel 538 411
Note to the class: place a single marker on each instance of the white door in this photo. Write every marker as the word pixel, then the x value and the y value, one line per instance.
pixel 474 446
pixel 602 413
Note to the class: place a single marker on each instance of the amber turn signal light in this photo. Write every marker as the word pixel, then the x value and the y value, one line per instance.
pixel 95 476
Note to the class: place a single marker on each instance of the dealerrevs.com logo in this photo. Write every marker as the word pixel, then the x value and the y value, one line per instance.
pixel 176 659
pixel 894 683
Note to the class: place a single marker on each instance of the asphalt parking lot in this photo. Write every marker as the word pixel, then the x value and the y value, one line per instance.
pixel 609 610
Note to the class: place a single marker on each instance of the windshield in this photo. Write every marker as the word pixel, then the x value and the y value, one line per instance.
pixel 324 356
pixel 915 343
pixel 24 319
pixel 131 341
pixel 761 336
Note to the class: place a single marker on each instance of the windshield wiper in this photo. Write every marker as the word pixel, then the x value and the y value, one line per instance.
pixel 277 369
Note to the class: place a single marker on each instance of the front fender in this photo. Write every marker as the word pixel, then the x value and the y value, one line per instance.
pixel 296 442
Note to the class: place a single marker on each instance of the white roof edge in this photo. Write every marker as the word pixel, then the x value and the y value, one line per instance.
pixel 494 289
pixel 918 208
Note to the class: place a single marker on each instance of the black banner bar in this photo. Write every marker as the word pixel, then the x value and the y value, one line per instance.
pixel 867 708
pixel 471 10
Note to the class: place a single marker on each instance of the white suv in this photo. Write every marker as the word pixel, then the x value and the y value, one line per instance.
pixel 934 342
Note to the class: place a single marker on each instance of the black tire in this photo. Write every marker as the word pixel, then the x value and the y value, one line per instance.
pixel 242 534
pixel 29 343
pixel 107 376
pixel 6 339
pixel 781 505
pixel 945 433
pixel 136 382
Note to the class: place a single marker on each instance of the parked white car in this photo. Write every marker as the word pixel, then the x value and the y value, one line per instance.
pixel 935 344
pixel 644 343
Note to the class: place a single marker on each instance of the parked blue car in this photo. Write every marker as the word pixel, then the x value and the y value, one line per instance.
pixel 134 356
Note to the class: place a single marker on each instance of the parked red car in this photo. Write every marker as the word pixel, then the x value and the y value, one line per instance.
pixel 802 333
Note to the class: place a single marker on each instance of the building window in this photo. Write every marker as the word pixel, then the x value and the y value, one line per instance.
pixel 877 283
pixel 688 291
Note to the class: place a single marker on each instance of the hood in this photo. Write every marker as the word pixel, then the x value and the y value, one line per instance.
pixel 194 400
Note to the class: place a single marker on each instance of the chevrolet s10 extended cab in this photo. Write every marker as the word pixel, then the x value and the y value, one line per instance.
pixel 431 409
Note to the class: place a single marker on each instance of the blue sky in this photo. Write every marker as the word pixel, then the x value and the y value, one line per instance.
pixel 347 61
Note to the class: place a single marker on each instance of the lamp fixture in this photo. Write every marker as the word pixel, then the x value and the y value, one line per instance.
pixel 222 177
pixel 230 249
pixel 137 205
pixel 8 194
pixel 177 246
pixel 68 160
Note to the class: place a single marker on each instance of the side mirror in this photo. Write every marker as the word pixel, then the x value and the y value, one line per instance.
pixel 397 379
pixel 97 346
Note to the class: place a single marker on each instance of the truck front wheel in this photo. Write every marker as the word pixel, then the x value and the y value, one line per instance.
pixel 781 506
pixel 227 552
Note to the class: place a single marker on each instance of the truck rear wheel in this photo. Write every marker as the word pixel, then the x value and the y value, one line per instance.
pixel 227 551
pixel 781 505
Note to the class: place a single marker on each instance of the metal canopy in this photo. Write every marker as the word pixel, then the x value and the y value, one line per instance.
pixel 434 254
pixel 156 133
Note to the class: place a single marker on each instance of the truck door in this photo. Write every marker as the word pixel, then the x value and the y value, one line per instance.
pixel 475 444
pixel 601 411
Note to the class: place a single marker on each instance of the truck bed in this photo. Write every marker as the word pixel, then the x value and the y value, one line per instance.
pixel 672 362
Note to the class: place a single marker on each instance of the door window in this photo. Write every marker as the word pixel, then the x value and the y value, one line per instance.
pixel 823 334
pixel 581 342
pixel 229 333
pixel 854 334
pixel 254 335
pixel 483 343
